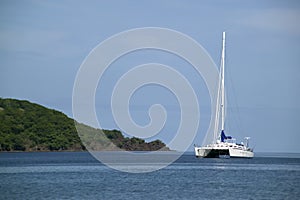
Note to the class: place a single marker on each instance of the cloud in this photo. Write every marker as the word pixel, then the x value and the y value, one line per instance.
pixel 28 40
pixel 38 43
pixel 274 20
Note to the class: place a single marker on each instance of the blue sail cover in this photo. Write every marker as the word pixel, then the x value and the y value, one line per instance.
pixel 224 137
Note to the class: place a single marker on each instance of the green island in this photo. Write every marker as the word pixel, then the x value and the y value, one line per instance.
pixel 26 126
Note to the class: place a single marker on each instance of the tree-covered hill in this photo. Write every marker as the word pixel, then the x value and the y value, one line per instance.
pixel 26 126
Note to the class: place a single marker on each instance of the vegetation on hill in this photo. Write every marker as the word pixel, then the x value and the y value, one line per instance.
pixel 26 126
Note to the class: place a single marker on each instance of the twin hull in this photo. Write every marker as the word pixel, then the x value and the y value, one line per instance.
pixel 212 152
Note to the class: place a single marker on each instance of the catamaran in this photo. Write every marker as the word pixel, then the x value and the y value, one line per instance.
pixel 222 145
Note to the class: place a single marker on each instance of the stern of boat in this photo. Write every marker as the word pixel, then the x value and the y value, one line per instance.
pixel 240 153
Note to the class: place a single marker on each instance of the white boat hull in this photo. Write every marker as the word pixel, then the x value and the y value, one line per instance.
pixel 202 152
pixel 218 152
pixel 238 153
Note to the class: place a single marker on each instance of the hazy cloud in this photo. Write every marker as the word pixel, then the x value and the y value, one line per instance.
pixel 274 20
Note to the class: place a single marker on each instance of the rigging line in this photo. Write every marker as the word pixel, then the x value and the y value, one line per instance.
pixel 233 94
pixel 211 134
pixel 209 137
pixel 220 102
pixel 220 106
pixel 217 117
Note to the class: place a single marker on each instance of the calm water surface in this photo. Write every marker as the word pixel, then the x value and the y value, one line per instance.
pixel 77 175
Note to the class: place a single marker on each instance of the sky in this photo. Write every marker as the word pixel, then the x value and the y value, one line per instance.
pixel 44 43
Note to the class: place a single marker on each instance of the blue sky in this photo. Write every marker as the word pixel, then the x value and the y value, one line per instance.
pixel 43 43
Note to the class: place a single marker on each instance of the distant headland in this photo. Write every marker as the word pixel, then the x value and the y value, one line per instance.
pixel 26 126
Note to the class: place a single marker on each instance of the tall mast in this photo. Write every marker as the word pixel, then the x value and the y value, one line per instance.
pixel 223 83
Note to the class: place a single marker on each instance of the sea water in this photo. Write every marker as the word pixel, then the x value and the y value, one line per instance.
pixel 77 175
